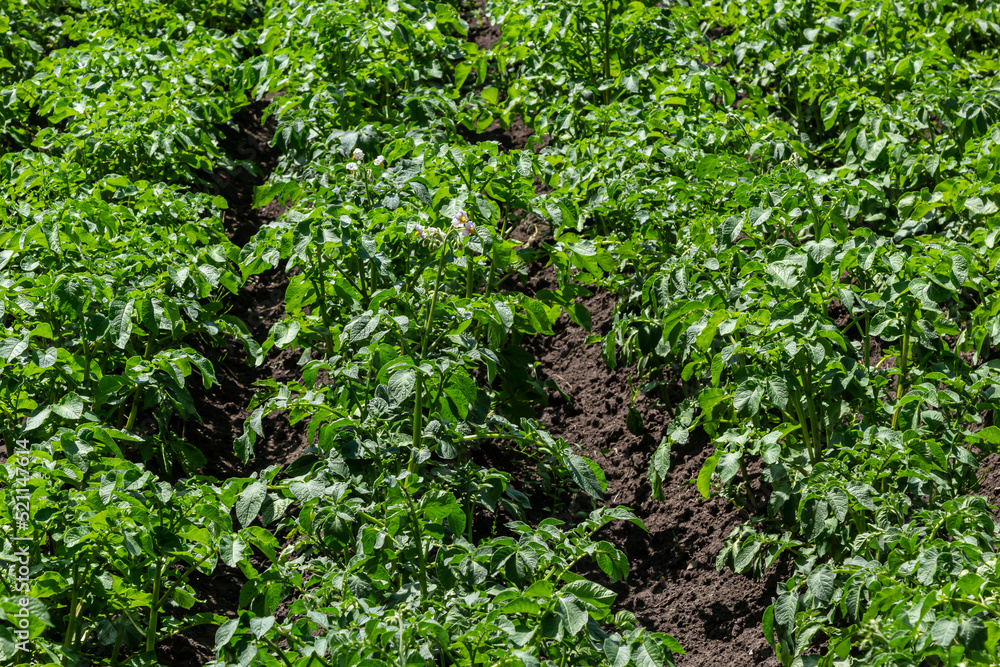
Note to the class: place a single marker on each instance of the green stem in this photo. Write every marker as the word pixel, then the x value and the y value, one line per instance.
pixel 746 481
pixel 154 611
pixel 417 537
pixel 804 423
pixel 418 405
pixel 905 352
pixel 813 415
pixel 319 284
pixel 469 275
pixel 868 342
pixel 86 354
pixel 71 624
pixel 75 606
pixel 277 649
pixel 350 281
pixel 119 636
pixel 418 426
pixel 493 252
pixel 607 49
pixel 468 499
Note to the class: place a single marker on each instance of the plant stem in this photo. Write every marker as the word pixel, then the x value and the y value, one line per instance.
pixel 746 481
pixel 607 49
pixel 421 559
pixel 154 611
pixel 804 423
pixel 118 642
pixel 811 404
pixel 469 274
pixel 187 573
pixel 319 284
pixel 418 406
pixel 905 353
pixel 868 342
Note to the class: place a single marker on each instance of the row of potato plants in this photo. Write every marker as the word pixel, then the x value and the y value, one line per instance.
pixel 800 199
pixel 113 274
pixel 396 241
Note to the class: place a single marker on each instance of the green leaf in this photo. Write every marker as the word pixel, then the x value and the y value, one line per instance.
pixel 617 654
pixel 505 313
pixel 728 466
pixel 783 275
pixel 705 476
pixel 261 626
pixel 611 561
pixel 717 365
pixel 839 502
pixel 831 108
pixel 490 94
pixel 659 466
pixel 11 348
pixel 633 421
pixel 784 614
pixel 821 583
pixel 972 633
pixel 707 335
pixel 572 614
pixel 231 549
pixel 990 434
pixel 587 474
pixel 284 333
pixel 37 418
pixel 777 391
pixel 249 503
pixel 862 493
pixel 927 566
pixel 709 400
pixel 814 513
pixel 121 321
pixel 631 82
pixel 768 623
pixel 225 633
pixel 401 385
pixel 70 407
pixel 592 593
pixel 746 400
pixel 648 653
pixel 745 555
pixel 943 631
pixel 729 230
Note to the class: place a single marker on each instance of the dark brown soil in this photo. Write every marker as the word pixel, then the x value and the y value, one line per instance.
pixel 673 585
pixel 482 32
pixel 989 472
pixel 518 136
pixel 513 138
pixel 223 408
pixel 260 303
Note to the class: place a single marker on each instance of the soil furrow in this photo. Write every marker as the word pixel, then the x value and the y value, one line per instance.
pixel 673 585
pixel 223 408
